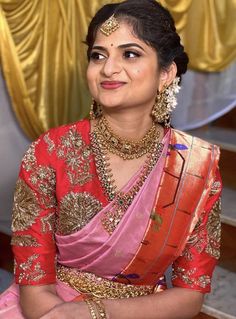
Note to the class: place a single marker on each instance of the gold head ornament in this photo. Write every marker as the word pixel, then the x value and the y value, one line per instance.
pixel 110 25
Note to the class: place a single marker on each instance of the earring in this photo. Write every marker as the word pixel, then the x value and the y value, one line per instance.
pixel 95 110
pixel 165 103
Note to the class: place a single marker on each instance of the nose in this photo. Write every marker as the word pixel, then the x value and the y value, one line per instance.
pixel 111 66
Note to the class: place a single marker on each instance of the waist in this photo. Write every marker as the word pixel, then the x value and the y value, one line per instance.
pixel 102 288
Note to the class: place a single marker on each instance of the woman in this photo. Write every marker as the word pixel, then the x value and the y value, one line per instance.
pixel 118 199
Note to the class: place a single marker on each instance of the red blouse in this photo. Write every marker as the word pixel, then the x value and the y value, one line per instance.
pixel 59 190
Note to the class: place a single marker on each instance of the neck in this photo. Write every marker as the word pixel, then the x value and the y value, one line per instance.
pixel 127 125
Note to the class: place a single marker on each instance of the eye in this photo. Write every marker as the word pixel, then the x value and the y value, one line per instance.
pixel 96 56
pixel 131 54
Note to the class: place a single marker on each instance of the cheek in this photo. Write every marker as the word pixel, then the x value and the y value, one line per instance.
pixel 90 78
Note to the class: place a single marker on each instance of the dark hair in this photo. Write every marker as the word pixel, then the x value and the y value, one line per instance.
pixel 152 23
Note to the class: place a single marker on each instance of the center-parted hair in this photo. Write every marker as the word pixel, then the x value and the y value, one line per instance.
pixel 151 23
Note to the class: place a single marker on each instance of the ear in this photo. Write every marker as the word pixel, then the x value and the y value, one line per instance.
pixel 167 76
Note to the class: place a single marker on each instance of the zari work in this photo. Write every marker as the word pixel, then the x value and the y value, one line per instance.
pixel 64 179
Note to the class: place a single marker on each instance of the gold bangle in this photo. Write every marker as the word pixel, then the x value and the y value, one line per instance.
pixel 101 308
pixel 91 309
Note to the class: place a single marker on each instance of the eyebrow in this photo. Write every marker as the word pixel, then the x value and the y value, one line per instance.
pixel 122 46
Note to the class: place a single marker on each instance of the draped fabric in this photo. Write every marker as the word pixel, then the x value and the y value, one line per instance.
pixel 208 31
pixel 44 61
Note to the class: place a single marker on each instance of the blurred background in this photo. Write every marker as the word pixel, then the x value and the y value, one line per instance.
pixel 42 85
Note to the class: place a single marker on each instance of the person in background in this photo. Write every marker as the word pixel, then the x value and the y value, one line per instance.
pixel 104 206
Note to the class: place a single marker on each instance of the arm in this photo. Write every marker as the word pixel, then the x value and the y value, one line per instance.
pixel 176 303
pixel 38 300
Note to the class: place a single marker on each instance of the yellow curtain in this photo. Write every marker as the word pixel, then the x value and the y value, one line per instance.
pixel 44 60
pixel 208 31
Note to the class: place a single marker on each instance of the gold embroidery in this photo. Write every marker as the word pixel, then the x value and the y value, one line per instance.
pixel 24 241
pixel 31 273
pixel 77 156
pixel 206 238
pixel 48 223
pixel 29 159
pixel 44 179
pixel 187 276
pixel 50 143
pixel 76 210
pixel 216 188
pixel 99 287
pixel 25 209
pixel 214 231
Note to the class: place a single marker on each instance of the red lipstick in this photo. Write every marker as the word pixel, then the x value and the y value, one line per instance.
pixel 111 85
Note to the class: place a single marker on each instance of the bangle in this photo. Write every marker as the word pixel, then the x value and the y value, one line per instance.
pixel 101 308
pixel 91 309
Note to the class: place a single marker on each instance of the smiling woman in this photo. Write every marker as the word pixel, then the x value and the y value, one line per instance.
pixel 118 199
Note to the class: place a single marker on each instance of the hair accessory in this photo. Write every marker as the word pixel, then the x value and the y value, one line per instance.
pixel 95 110
pixel 165 103
pixel 110 25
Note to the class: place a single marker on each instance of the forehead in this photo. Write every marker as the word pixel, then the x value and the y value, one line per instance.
pixel 124 34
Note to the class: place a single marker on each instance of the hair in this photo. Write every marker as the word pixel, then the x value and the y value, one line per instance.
pixel 151 23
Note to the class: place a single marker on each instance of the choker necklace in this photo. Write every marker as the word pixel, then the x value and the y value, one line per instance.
pixel 126 149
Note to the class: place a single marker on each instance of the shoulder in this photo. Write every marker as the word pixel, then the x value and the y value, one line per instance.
pixel 198 149
pixel 82 127
pixel 177 135
pixel 65 136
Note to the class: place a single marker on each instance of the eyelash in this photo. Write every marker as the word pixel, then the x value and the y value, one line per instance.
pixel 95 55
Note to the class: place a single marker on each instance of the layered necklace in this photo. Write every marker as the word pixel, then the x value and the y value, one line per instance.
pixel 126 149
pixel 103 140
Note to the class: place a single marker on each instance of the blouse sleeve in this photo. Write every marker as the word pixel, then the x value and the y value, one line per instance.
pixel 194 268
pixel 33 217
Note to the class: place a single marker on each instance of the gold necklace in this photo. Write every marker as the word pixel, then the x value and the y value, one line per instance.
pixel 126 149
pixel 121 200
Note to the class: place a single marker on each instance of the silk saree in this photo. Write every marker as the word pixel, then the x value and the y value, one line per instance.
pixel 64 227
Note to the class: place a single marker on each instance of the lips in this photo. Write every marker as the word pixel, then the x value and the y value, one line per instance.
pixel 111 85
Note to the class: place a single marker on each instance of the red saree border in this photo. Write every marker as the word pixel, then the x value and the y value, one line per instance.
pixel 185 184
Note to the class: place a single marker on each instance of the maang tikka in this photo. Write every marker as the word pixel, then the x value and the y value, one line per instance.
pixel 110 25
pixel 165 103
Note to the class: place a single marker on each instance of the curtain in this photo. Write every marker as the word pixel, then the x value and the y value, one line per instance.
pixel 44 61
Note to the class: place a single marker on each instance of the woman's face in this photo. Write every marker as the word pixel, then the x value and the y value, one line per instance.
pixel 123 70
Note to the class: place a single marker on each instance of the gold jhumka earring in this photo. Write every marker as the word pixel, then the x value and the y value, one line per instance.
pixel 95 110
pixel 165 103
pixel 110 25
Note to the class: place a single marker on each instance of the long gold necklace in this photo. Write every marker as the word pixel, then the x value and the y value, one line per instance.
pixel 121 200
pixel 126 149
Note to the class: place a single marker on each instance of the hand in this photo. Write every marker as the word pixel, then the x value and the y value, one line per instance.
pixel 69 310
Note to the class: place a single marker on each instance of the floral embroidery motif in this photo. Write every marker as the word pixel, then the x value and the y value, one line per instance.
pixel 24 241
pixel 48 223
pixel 187 276
pixel 76 210
pixel 31 273
pixel 49 142
pixel 77 156
pixel 206 238
pixel 44 179
pixel 29 159
pixel 26 208
pixel 214 231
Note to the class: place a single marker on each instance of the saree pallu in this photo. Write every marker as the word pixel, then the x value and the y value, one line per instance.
pixel 151 235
